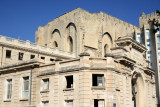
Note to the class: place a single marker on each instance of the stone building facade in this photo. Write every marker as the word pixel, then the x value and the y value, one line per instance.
pixel 91 60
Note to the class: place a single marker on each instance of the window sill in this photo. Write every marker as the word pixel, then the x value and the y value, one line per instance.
pixel 44 91
pixel 8 100
pixel 68 89
pixel 23 99
pixel 98 88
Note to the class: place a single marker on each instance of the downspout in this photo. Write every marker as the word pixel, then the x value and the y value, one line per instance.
pixel 2 56
pixel 30 87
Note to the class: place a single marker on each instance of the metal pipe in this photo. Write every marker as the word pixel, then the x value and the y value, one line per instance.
pixel 30 88
pixel 2 56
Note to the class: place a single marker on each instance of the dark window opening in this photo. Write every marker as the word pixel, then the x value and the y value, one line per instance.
pixel 20 56
pixel 70 44
pixel 95 103
pixel 69 80
pixel 32 56
pixel 8 53
pixel 42 57
pixel 97 79
pixel 51 59
pixel 99 103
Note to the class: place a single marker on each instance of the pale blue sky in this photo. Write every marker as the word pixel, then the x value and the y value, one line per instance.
pixel 22 17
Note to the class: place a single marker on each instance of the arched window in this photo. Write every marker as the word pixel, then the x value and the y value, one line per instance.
pixel 70 44
pixel 71 37
pixel 55 39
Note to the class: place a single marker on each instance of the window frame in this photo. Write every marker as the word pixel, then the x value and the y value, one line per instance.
pixel 96 78
pixel 20 56
pixel 9 54
pixel 8 82
pixel 23 86
pixel 69 85
pixel 45 83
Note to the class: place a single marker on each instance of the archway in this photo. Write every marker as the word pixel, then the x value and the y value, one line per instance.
pixel 71 37
pixel 138 90
pixel 55 39
pixel 106 43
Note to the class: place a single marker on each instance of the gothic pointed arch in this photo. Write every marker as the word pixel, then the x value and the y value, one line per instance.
pixel 107 43
pixel 71 36
pixel 55 39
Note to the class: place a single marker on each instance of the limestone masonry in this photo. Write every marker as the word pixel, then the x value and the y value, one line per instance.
pixel 83 59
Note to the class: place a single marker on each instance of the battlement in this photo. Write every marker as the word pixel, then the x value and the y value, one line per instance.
pixel 28 46
pixel 147 16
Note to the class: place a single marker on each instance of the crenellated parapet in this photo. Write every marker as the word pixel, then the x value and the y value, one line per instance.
pixel 144 18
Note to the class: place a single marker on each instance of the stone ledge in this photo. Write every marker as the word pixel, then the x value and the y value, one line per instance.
pixel 98 88
pixel 44 91
pixel 68 89
pixel 6 100
pixel 23 100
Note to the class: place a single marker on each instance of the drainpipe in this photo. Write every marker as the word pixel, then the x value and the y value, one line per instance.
pixel 2 56
pixel 30 87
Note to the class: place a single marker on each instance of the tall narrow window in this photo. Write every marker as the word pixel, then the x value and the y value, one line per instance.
pixel 9 88
pixel 20 57
pixel 147 34
pixel 158 32
pixel 69 80
pixel 97 79
pixel 159 53
pixel 70 44
pixel 139 37
pixel 25 91
pixel 46 84
pixel 8 53
pixel 158 41
pixel 148 45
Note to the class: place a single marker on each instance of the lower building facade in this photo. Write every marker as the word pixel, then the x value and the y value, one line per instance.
pixel 120 79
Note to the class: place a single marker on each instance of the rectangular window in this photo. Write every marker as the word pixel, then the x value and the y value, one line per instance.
pixel 99 103
pixel 69 80
pixel 159 53
pixel 8 53
pixel 158 32
pixel 32 56
pixel 158 41
pixel 97 79
pixel 46 84
pixel 51 59
pixel 9 88
pixel 147 34
pixel 20 56
pixel 148 45
pixel 43 58
pixel 139 37
pixel 25 92
pixel 69 103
